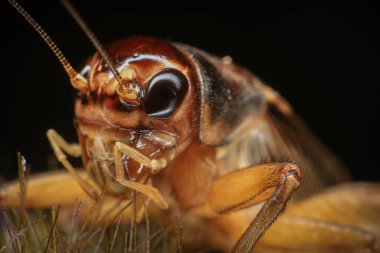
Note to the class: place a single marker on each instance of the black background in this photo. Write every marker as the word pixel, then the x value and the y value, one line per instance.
pixel 322 56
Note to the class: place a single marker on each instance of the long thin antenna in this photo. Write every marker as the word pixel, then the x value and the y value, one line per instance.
pixel 78 81
pixel 95 41
pixel 125 91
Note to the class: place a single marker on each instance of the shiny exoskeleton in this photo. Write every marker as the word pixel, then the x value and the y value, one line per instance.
pixel 179 110
pixel 202 138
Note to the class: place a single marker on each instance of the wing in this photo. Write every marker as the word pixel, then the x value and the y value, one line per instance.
pixel 249 123
pixel 281 135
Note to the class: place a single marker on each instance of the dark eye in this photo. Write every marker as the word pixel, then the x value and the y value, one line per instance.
pixel 166 91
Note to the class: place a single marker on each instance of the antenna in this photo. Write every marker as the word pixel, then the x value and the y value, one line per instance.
pixel 77 80
pixel 125 91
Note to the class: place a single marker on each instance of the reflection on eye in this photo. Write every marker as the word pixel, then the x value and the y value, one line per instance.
pixel 165 93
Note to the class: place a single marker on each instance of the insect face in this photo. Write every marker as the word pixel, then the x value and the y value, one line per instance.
pixel 204 125
pixel 160 123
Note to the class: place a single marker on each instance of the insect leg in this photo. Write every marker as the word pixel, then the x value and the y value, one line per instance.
pixel 315 236
pixel 149 191
pixel 344 218
pixel 72 149
pixel 58 144
pixel 274 182
pixel 60 187
pixel 44 190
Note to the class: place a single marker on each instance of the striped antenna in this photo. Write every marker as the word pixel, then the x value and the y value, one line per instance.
pixel 77 80
pixel 128 93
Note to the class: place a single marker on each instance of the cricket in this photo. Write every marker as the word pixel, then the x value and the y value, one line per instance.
pixel 168 131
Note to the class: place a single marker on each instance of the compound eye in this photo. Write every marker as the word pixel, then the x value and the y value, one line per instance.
pixel 165 93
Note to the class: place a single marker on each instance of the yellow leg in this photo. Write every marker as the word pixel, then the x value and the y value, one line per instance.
pixel 274 182
pixel 344 218
pixel 58 144
pixel 45 190
pixel 155 165
pixel 60 188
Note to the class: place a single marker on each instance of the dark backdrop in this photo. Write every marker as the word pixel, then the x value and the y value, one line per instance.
pixel 323 57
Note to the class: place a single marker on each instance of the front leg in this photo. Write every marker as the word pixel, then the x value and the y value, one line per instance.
pixel 58 144
pixel 274 182
pixel 153 164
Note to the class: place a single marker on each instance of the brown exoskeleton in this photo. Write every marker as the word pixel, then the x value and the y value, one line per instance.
pixel 189 131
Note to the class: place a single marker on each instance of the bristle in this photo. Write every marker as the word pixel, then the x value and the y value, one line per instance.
pixel 122 209
pixel 11 229
pixel 126 238
pixel 153 236
pixel 178 235
pixel 17 235
pixel 56 238
pixel 147 225
pixel 74 220
pixel 100 240
pixel 133 232
pixel 32 231
pixel 94 211
pixel 114 234
pixel 21 177
pixel 51 241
